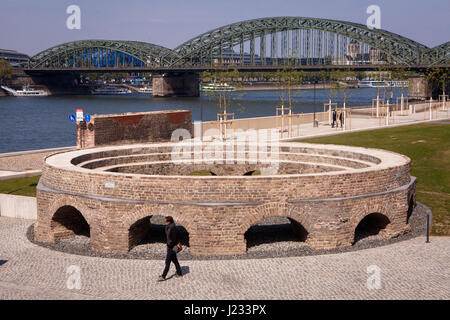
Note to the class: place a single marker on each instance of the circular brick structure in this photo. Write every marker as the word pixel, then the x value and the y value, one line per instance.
pixel 329 194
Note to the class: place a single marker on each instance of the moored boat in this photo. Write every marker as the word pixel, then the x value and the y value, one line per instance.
pixel 145 90
pixel 220 87
pixel 26 91
pixel 110 90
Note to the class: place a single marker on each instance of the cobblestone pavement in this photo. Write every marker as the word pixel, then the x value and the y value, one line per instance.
pixel 410 269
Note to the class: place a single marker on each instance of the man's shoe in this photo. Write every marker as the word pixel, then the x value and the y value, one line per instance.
pixel 161 278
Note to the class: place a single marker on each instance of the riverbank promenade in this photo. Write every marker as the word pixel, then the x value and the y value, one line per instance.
pixel 29 163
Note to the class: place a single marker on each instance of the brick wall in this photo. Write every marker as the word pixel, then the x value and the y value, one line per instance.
pixel 118 129
pixel 325 207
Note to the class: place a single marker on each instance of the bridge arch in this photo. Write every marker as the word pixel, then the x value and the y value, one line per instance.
pixel 264 41
pixel 301 38
pixel 440 54
pixel 102 53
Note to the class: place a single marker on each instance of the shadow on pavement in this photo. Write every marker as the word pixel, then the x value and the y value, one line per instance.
pixel 185 270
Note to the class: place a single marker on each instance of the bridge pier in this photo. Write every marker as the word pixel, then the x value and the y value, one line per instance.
pixel 179 85
pixel 419 88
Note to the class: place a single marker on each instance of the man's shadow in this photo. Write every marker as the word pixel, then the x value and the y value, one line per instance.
pixel 2 262
pixel 184 271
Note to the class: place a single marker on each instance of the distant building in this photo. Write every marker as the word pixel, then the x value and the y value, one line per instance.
pixel 230 57
pixel 355 56
pixel 16 59
pixel 353 49
pixel 377 56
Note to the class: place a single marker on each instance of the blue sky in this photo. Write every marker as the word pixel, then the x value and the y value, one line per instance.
pixel 30 26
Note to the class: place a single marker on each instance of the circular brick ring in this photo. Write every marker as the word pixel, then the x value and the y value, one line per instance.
pixel 328 193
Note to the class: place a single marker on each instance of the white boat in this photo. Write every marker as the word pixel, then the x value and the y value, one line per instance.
pixel 26 92
pixel 221 87
pixel 145 90
pixel 109 90
pixel 382 84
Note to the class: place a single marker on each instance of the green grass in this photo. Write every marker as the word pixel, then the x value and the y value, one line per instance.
pixel 20 186
pixel 201 173
pixel 428 146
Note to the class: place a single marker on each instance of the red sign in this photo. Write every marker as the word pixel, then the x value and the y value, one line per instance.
pixel 79 114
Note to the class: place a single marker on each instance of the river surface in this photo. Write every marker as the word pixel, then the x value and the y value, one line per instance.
pixel 28 123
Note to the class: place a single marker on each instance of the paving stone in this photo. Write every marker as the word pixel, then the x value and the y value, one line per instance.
pixel 410 269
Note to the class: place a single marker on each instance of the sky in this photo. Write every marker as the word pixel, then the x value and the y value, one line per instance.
pixel 30 26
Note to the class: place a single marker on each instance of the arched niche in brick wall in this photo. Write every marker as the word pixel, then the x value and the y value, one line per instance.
pixel 151 229
pixel 68 221
pixel 411 205
pixel 372 224
pixel 275 229
pixel 253 173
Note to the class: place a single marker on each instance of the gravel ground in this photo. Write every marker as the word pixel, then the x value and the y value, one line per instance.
pixel 269 238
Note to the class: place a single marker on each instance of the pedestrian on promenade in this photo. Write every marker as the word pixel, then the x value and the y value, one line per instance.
pixel 334 118
pixel 341 118
pixel 173 247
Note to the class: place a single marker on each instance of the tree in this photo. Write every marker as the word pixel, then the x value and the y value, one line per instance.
pixel 285 79
pixel 224 97
pixel 341 82
pixel 437 78
pixel 6 71
pixel 329 80
pixel 401 74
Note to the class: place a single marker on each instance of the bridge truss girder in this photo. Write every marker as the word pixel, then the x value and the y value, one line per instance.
pixel 400 49
pixel 307 41
pixel 440 54
pixel 103 53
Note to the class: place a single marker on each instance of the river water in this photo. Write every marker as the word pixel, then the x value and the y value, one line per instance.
pixel 29 123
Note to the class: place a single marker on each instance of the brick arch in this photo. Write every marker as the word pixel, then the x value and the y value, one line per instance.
pixel 68 223
pixel 273 209
pixel 134 224
pixel 382 209
pixel 63 202
pixel 411 204
pixel 151 210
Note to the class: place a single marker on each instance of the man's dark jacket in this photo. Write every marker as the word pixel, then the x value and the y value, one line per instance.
pixel 171 235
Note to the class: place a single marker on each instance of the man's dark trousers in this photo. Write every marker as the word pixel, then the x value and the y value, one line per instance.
pixel 171 257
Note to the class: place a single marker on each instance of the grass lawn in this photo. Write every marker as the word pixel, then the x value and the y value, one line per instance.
pixel 20 186
pixel 428 146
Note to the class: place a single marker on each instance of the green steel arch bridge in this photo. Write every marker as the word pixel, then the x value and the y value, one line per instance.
pixel 259 44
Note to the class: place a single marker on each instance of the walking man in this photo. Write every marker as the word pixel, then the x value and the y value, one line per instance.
pixel 173 247
pixel 334 118
pixel 341 118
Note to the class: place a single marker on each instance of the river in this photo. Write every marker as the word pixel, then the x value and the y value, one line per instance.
pixel 28 123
